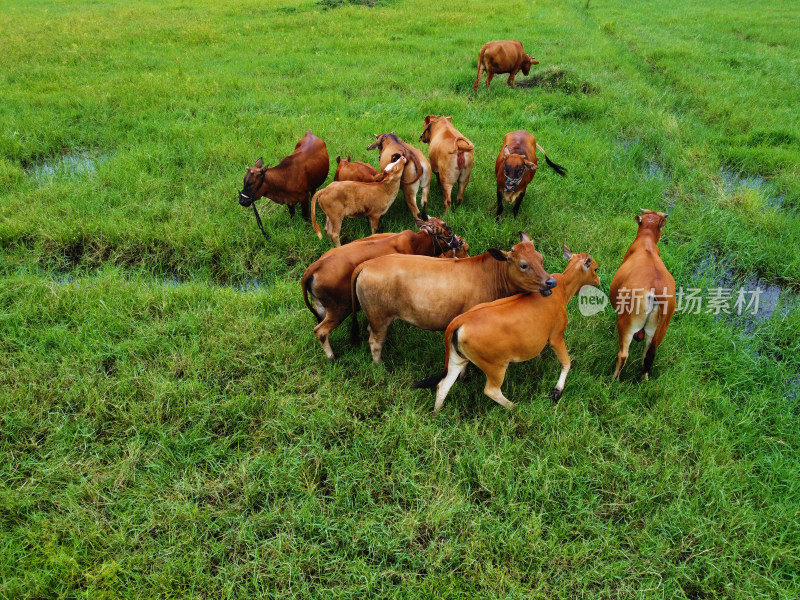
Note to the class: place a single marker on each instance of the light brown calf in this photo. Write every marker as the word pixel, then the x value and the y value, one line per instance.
pixel 327 281
pixel 515 329
pixel 417 174
pixel 643 293
pixel 507 56
pixel 429 293
pixel 353 170
pixel 450 154
pixel 515 167
pixel 342 199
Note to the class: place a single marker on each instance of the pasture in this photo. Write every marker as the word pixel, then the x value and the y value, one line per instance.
pixel 169 425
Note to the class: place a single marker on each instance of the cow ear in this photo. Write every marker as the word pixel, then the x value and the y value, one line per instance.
pixel 259 163
pixel 497 254
pixel 587 264
pixel 338 159
pixel 349 158
pixel 662 222
pixel 506 151
pixel 531 165
pixel 567 253
pixel 638 219
pixel 524 237
pixel 449 118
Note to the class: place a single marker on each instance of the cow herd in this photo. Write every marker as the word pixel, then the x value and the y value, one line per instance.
pixel 495 308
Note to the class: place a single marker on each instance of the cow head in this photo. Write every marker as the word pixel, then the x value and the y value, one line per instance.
pixel 585 263
pixel 525 266
pixel 444 240
pixel 393 170
pixel 380 140
pixel 652 220
pixel 253 181
pixel 526 64
pixel 514 170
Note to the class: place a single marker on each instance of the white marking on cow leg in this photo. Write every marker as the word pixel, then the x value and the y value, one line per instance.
pixel 624 344
pixel 457 366
pixel 560 348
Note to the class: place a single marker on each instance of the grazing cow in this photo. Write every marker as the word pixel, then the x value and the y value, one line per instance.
pixel 342 199
pixel 429 293
pixel 503 57
pixel 515 167
pixel 327 281
pixel 417 174
pixel 292 181
pixel 351 170
pixel 515 329
pixel 450 154
pixel 643 293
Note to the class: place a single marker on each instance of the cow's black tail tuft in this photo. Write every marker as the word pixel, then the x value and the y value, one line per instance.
pixel 556 167
pixel 430 382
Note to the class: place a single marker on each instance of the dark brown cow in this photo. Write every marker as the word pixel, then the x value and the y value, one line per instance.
pixel 515 167
pixel 417 174
pixel 353 170
pixel 292 181
pixel 507 56
pixel 643 293
pixel 327 281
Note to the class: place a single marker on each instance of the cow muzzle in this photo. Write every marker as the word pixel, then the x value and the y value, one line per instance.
pixel 548 287
pixel 245 200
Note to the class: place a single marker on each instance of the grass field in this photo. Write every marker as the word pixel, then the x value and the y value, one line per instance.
pixel 169 425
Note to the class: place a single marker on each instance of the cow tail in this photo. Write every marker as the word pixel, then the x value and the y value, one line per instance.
pixel 450 338
pixel 314 213
pixel 480 69
pixel 557 168
pixel 355 336
pixel 417 165
pixel 305 284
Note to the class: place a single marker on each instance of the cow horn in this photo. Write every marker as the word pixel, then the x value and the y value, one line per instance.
pixel 666 215
pixel 375 135
pixel 644 210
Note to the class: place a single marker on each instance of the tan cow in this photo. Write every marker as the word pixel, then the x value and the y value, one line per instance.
pixel 514 329
pixel 417 174
pixel 327 280
pixel 342 199
pixel 643 293
pixel 292 181
pixel 353 170
pixel 450 154
pixel 429 293
pixel 515 167
pixel 507 56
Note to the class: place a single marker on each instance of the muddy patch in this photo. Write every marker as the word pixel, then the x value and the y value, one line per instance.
pixel 556 78
pixel 328 4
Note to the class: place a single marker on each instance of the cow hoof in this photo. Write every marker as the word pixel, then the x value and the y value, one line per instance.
pixel 555 395
pixel 645 377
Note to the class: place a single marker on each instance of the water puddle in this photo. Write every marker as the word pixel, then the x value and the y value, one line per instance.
pixel 76 164
pixel 736 184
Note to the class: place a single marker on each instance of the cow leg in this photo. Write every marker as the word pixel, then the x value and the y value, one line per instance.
pixel 495 374
pixel 304 208
pixel 291 210
pixel 480 74
pixel 377 336
pixel 426 188
pixel 489 75
pixel 447 191
pixel 333 230
pixel 560 348
pixel 500 204
pixel 333 318
pixel 511 79
pixel 410 194
pixel 625 338
pixel 650 344
pixel 455 369
pixel 518 203
pixel 374 223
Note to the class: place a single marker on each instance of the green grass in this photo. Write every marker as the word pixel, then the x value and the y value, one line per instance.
pixel 169 425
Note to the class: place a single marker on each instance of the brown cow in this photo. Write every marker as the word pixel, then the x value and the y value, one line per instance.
pixel 352 170
pixel 506 56
pixel 429 293
pixel 327 281
pixel 514 329
pixel 417 174
pixel 450 154
pixel 342 199
pixel 515 167
pixel 643 293
pixel 292 181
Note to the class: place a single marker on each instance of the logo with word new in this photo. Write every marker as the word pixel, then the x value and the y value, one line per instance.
pixel 591 300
